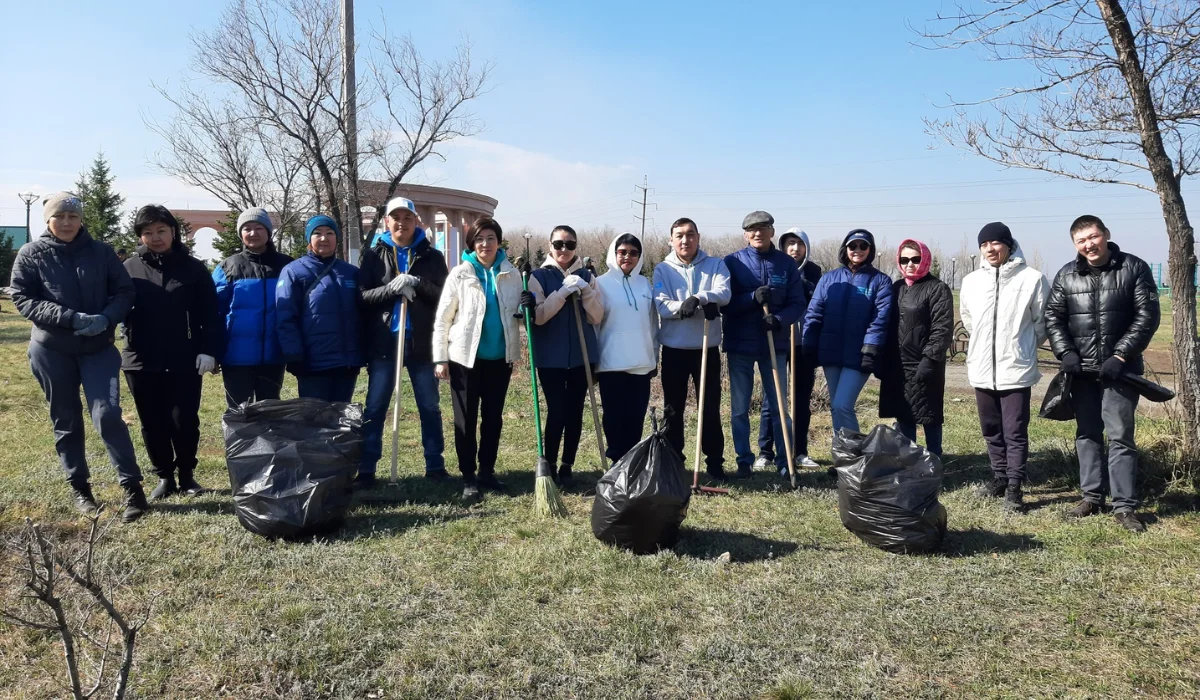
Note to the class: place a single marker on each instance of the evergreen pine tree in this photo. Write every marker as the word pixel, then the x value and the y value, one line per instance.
pixel 7 255
pixel 101 203
pixel 229 240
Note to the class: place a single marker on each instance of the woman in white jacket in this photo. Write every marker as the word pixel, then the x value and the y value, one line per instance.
pixel 627 338
pixel 475 342
pixel 1001 306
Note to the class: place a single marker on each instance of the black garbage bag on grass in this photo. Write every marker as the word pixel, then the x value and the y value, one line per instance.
pixel 291 463
pixel 641 502
pixel 888 490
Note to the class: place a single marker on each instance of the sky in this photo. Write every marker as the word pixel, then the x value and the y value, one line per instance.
pixel 811 111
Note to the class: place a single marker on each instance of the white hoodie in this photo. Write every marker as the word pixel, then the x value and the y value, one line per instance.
pixel 627 335
pixel 1002 308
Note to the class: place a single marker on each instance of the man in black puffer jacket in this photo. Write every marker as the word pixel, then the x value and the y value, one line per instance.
pixel 74 290
pixel 1102 313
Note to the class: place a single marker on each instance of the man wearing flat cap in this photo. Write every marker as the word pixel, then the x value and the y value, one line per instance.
pixel 767 294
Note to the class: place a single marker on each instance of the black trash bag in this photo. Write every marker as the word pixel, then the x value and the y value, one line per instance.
pixel 641 502
pixel 291 464
pixel 1057 403
pixel 888 490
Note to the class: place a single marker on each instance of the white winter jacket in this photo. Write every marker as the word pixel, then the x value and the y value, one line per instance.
pixel 458 320
pixel 627 337
pixel 1002 309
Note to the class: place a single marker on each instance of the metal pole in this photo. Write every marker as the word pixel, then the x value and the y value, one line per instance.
pixel 353 221
pixel 29 198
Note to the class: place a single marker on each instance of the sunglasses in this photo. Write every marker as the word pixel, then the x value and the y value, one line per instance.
pixel 858 245
pixel 629 254
pixel 910 261
pixel 560 244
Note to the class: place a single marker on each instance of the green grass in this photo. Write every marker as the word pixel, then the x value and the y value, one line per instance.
pixel 428 598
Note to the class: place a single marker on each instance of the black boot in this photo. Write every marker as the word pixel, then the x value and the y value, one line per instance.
pixel 470 488
pixel 365 481
pixel 188 484
pixel 489 481
pixel 1013 499
pixel 993 489
pixel 85 502
pixel 165 487
pixel 135 502
pixel 564 476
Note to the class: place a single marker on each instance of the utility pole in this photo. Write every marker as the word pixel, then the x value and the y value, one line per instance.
pixel 29 198
pixel 350 116
pixel 645 188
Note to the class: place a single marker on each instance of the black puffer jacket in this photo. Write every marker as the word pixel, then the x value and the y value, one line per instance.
pixel 1099 312
pixel 52 281
pixel 175 315
pixel 921 325
pixel 378 267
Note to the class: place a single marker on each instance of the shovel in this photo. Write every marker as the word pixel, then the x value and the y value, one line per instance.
pixel 587 366
pixel 787 438
pixel 696 487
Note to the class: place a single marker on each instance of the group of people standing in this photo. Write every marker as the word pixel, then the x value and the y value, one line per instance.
pixel 261 314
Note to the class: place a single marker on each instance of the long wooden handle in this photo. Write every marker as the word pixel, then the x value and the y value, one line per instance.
pixel 700 407
pixel 787 439
pixel 396 387
pixel 587 366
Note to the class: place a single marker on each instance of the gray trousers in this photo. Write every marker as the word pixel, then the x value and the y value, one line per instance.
pixel 60 375
pixel 1106 408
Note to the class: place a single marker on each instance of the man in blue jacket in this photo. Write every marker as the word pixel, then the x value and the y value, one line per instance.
pixel 320 330
pixel 759 275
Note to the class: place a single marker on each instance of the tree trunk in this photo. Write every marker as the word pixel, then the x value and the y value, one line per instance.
pixel 1182 259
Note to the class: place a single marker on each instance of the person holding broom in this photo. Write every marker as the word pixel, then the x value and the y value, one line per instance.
pixel 401 267
pixel 475 343
pixel 627 339
pixel 690 286
pixel 766 296
pixel 560 363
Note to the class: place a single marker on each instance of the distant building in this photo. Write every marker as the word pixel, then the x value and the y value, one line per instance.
pixel 18 234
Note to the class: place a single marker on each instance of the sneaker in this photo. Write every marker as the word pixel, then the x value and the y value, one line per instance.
pixel 1129 520
pixel 437 475
pixel 164 488
pixel 135 502
pixel 364 481
pixel 806 462
pixel 743 472
pixel 470 490
pixel 993 489
pixel 188 484
pixel 763 462
pixel 489 481
pixel 1084 509
pixel 717 474
pixel 85 502
pixel 1013 500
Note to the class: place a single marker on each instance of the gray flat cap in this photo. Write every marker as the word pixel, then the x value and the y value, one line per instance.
pixel 757 218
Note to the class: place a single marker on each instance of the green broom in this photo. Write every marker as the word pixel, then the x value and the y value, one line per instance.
pixel 546 500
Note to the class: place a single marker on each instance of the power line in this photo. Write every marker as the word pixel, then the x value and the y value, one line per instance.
pixel 645 188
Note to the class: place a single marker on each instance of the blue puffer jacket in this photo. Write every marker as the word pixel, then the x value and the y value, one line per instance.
pixel 849 310
pixel 246 300
pixel 749 270
pixel 317 309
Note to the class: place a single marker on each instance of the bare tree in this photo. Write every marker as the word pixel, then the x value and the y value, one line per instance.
pixel 1118 102
pixel 42 567
pixel 427 105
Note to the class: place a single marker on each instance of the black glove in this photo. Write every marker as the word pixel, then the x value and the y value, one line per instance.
pixel 1112 368
pixel 528 300
pixel 711 311
pixel 688 308
pixel 762 295
pixel 868 358
pixel 771 323
pixel 926 369
pixel 1071 363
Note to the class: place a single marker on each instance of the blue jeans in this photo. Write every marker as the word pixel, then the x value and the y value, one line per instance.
pixel 381 376
pixel 933 435
pixel 845 384
pixel 741 384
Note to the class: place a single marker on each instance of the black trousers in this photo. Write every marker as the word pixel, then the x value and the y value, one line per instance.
pixel 625 398
pixel 168 406
pixel 1004 418
pixel 251 383
pixel 802 389
pixel 565 390
pixel 477 395
pixel 678 369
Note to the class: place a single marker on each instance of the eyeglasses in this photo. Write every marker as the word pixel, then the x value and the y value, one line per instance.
pixel 911 261
pixel 560 244
pixel 858 245
pixel 629 253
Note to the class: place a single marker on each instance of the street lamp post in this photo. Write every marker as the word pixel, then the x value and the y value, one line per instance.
pixel 29 198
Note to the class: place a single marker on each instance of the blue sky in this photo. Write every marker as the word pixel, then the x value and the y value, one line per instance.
pixel 811 111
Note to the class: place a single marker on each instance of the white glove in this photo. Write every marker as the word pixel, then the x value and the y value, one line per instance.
pixel 403 282
pixel 408 293
pixel 205 364
pixel 573 283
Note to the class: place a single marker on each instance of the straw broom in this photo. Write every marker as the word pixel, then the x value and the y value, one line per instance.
pixel 546 499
